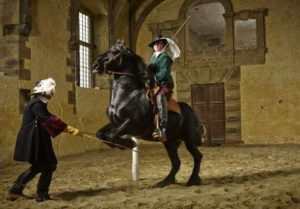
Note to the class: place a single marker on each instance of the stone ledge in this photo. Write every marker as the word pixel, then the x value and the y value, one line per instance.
pixel 233 119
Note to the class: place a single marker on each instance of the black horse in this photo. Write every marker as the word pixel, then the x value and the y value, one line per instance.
pixel 131 112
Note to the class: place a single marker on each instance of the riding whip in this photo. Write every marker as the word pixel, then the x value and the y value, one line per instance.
pixel 172 45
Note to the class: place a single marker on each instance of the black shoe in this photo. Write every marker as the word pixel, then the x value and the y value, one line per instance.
pixel 12 196
pixel 42 197
pixel 15 192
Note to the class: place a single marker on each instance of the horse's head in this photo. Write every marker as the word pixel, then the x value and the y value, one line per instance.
pixel 121 60
pixel 114 60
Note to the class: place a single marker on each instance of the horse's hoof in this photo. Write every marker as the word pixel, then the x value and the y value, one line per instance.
pixel 164 183
pixel 194 181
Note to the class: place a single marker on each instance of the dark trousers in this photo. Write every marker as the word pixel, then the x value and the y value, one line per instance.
pixel 43 183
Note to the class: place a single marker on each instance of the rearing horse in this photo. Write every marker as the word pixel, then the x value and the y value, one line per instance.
pixel 131 112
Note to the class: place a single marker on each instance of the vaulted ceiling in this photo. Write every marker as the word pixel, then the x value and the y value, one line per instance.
pixel 138 9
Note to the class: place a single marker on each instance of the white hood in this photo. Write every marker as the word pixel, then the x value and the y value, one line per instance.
pixel 46 87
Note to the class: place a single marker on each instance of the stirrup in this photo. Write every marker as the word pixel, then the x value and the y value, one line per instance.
pixel 159 135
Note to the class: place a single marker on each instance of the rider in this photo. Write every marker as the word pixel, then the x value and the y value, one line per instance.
pixel 161 63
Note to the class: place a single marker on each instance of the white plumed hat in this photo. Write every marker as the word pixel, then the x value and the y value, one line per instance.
pixel 45 86
pixel 174 49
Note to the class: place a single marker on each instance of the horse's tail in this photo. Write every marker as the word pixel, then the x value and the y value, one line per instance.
pixel 192 129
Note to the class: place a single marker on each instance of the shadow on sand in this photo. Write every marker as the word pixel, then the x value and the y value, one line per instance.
pixel 223 180
pixel 258 176
pixel 234 179
pixel 71 195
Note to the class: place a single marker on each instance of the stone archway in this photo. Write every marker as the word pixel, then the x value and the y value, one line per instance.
pixel 188 3
pixel 228 17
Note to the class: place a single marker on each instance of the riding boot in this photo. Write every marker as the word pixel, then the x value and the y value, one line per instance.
pixel 162 105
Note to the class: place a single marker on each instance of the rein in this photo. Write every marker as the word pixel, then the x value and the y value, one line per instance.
pixel 119 73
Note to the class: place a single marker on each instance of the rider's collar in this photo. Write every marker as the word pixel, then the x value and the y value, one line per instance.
pixel 156 54
pixel 44 99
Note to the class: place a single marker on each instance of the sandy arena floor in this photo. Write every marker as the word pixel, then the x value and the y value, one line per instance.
pixel 254 177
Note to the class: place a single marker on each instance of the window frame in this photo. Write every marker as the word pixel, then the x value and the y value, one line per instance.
pixel 90 45
pixel 252 55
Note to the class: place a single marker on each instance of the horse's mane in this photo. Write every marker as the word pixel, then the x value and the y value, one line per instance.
pixel 139 66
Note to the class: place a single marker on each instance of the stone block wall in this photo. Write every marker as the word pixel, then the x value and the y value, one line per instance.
pixel 270 92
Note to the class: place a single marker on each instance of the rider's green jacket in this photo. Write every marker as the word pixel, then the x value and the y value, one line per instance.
pixel 163 64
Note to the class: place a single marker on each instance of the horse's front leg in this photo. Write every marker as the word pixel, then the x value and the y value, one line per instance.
pixel 172 149
pixel 112 136
pixel 105 134
pixel 102 132
pixel 109 131
pixel 121 128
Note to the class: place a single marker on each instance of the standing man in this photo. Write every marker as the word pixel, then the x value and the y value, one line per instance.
pixel 34 141
pixel 161 63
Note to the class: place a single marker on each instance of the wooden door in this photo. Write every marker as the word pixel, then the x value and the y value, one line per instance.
pixel 209 104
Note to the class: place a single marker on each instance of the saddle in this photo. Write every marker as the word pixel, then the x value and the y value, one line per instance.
pixel 174 106
pixel 172 103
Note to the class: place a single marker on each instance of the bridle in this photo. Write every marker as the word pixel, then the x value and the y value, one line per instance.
pixel 110 72
pixel 120 73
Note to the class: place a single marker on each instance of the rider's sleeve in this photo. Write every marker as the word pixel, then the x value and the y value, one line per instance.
pixel 164 68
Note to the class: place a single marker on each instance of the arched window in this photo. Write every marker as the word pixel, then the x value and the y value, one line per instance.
pixel 206 27
pixel 210 29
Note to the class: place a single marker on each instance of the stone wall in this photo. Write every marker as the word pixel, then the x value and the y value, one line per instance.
pixel 9 39
pixel 270 92
pixel 9 67
pixel 9 120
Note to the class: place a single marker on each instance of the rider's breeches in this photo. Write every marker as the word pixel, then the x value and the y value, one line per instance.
pixel 162 105
pixel 43 183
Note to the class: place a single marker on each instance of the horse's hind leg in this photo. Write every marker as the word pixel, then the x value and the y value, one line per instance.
pixel 197 156
pixel 172 149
